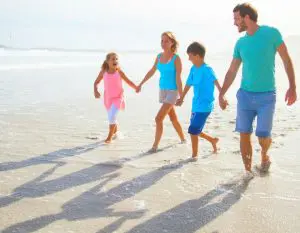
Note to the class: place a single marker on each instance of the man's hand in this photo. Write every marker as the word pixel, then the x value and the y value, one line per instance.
pixel 291 96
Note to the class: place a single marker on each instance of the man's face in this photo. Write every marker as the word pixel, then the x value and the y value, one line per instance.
pixel 239 21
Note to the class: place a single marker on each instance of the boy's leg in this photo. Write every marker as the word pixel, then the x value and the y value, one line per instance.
pixel 194 139
pixel 212 140
pixel 176 124
pixel 163 111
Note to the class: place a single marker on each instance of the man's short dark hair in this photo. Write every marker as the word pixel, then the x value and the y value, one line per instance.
pixel 196 48
pixel 246 9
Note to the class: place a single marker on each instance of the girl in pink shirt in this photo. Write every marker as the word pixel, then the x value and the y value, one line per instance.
pixel 113 90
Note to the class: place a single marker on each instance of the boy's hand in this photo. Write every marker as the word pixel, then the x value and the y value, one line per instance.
pixel 179 102
pixel 97 94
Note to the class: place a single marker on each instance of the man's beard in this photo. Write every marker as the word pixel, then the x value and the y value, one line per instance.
pixel 242 26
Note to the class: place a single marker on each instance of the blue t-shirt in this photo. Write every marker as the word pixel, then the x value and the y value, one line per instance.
pixel 203 81
pixel 167 71
pixel 257 52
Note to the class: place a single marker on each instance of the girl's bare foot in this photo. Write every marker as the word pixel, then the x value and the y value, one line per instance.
pixel 214 145
pixel 107 140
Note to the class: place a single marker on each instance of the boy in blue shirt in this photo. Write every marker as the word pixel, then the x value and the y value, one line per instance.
pixel 203 79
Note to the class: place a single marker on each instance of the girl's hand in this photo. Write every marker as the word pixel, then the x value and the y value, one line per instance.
pixel 97 94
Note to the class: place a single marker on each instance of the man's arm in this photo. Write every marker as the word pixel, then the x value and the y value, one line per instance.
pixel 229 78
pixel 291 94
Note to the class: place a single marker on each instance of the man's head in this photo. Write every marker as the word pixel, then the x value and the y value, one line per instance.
pixel 244 14
pixel 196 52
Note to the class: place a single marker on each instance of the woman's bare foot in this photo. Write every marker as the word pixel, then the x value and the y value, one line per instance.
pixel 214 145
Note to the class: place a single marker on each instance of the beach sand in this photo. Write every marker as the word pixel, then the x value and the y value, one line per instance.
pixel 57 175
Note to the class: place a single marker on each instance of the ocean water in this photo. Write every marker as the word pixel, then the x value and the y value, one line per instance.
pixel 51 150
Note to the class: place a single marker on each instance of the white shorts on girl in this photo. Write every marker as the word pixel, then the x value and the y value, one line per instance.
pixel 168 96
pixel 112 114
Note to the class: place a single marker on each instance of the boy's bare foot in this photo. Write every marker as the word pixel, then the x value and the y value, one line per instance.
pixel 152 150
pixel 214 144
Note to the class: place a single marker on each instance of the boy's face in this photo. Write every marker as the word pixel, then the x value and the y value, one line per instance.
pixel 195 59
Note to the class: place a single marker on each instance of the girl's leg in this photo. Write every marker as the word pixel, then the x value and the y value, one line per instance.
pixel 176 124
pixel 112 119
pixel 212 140
pixel 112 128
pixel 163 111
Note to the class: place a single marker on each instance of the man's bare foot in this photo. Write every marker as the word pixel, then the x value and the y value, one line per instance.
pixel 214 145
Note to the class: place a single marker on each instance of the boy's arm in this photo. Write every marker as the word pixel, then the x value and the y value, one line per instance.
pixel 148 75
pixel 217 84
pixel 185 91
pixel 97 81
pixel 178 66
pixel 127 80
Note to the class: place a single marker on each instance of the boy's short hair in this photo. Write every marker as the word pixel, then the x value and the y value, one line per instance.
pixel 196 48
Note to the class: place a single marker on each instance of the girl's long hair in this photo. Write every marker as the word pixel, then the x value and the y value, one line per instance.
pixel 105 66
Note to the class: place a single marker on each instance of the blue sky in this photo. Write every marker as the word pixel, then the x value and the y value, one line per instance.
pixel 132 24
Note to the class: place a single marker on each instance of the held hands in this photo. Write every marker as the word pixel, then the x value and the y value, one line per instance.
pixel 138 88
pixel 291 96
pixel 222 102
pixel 179 102
pixel 97 94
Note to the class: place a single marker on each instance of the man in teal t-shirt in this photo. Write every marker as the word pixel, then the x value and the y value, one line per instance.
pixel 257 94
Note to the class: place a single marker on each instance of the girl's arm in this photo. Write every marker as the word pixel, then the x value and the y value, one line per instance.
pixel 178 67
pixel 148 75
pixel 97 81
pixel 127 80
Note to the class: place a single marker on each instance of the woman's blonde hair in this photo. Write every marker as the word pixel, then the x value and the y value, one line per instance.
pixel 172 37
pixel 105 66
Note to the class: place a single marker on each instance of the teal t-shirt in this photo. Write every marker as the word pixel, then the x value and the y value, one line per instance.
pixel 203 81
pixel 257 53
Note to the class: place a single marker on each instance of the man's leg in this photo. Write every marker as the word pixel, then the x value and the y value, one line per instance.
pixel 265 116
pixel 246 150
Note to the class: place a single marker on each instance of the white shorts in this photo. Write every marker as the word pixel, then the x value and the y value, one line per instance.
pixel 112 114
pixel 168 96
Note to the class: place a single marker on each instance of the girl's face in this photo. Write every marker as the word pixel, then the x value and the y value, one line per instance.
pixel 166 43
pixel 113 62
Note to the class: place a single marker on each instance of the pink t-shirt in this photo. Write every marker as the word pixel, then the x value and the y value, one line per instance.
pixel 113 90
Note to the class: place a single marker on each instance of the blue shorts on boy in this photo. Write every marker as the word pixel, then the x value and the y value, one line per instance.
pixel 203 81
pixel 197 122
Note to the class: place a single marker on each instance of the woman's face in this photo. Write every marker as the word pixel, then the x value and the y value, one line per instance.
pixel 166 43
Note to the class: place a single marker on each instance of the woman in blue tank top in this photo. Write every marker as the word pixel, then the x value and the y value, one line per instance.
pixel 169 65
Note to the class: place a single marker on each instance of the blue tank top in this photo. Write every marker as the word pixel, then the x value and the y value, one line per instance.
pixel 167 71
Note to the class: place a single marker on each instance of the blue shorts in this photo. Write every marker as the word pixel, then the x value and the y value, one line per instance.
pixel 255 104
pixel 198 120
